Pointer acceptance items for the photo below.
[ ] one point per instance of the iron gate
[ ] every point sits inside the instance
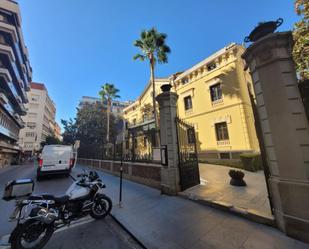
(187, 155)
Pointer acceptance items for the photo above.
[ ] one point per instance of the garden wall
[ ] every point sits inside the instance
(144, 173)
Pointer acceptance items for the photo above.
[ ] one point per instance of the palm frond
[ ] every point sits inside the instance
(109, 92)
(162, 57)
(152, 45)
(139, 56)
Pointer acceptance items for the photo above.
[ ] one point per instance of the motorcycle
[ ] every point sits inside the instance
(38, 216)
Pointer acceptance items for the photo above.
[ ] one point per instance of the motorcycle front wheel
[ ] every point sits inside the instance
(101, 207)
(32, 234)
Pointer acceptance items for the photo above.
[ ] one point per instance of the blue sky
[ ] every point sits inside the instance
(77, 45)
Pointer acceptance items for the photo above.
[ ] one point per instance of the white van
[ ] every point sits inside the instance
(56, 159)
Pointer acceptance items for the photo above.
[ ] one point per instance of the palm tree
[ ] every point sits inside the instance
(108, 93)
(153, 48)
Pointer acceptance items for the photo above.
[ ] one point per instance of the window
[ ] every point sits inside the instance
(153, 139)
(33, 106)
(30, 134)
(32, 115)
(216, 92)
(221, 131)
(135, 143)
(2, 39)
(35, 98)
(31, 125)
(3, 18)
(211, 66)
(28, 145)
(188, 102)
(184, 80)
(191, 136)
(145, 141)
(225, 155)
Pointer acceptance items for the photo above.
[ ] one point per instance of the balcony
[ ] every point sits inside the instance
(9, 28)
(223, 143)
(140, 122)
(19, 120)
(9, 133)
(6, 49)
(6, 104)
(217, 102)
(12, 93)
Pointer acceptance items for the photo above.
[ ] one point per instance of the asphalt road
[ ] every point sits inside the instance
(88, 233)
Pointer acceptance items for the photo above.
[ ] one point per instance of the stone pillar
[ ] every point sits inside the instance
(285, 130)
(170, 173)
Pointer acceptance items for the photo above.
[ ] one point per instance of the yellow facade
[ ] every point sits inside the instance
(140, 115)
(213, 96)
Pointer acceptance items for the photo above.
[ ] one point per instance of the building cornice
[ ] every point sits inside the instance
(137, 101)
(220, 58)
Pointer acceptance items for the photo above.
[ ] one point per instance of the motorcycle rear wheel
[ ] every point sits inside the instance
(29, 232)
(101, 207)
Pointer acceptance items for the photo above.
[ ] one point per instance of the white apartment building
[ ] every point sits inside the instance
(39, 121)
(117, 106)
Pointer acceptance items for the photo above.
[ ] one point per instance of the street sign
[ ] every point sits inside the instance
(164, 159)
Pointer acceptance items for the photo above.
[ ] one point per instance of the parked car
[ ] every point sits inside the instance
(56, 159)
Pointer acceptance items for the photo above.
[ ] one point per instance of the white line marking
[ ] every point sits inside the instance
(76, 223)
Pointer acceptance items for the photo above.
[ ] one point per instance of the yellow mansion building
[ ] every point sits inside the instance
(214, 97)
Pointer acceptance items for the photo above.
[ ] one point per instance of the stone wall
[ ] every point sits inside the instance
(144, 173)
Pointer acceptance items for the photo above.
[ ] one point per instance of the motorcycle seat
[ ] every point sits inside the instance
(61, 199)
(58, 199)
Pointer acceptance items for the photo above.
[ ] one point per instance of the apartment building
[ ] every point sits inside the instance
(15, 75)
(57, 131)
(116, 108)
(39, 121)
(214, 98)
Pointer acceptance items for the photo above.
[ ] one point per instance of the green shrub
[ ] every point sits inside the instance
(230, 163)
(251, 161)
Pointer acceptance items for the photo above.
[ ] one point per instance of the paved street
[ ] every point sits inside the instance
(83, 235)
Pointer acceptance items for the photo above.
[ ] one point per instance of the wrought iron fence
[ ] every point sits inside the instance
(137, 144)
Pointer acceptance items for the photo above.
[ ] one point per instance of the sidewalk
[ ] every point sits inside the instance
(166, 222)
(215, 187)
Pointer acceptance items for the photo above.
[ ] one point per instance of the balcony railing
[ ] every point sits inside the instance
(141, 122)
(223, 142)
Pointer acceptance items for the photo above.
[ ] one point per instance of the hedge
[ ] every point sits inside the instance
(251, 161)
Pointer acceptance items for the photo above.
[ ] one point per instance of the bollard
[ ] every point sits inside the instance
(120, 189)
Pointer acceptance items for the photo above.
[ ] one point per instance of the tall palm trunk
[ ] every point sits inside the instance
(154, 99)
(108, 118)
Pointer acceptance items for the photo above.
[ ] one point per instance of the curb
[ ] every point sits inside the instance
(128, 231)
(248, 214)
